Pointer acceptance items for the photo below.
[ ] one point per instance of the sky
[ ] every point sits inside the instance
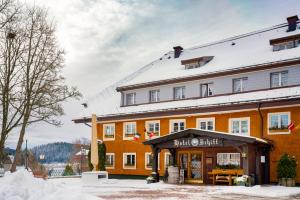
(106, 40)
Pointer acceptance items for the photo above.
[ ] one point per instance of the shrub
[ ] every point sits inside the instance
(68, 171)
(286, 167)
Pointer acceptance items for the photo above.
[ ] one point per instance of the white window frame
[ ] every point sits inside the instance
(124, 130)
(279, 113)
(125, 158)
(243, 82)
(157, 96)
(228, 158)
(240, 125)
(182, 92)
(209, 88)
(146, 160)
(114, 160)
(171, 124)
(165, 159)
(133, 101)
(279, 79)
(147, 128)
(104, 129)
(206, 120)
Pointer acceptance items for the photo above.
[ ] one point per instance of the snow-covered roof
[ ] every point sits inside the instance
(248, 50)
(110, 106)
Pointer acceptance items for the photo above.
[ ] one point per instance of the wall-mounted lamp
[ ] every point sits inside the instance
(244, 155)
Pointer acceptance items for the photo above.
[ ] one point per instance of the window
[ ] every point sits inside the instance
(286, 45)
(278, 123)
(154, 95)
(206, 89)
(240, 125)
(177, 125)
(110, 161)
(228, 159)
(130, 98)
(196, 62)
(149, 160)
(279, 79)
(179, 93)
(152, 127)
(168, 159)
(129, 160)
(129, 130)
(109, 132)
(239, 85)
(206, 123)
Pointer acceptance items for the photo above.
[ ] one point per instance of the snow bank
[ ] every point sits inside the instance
(260, 191)
(21, 185)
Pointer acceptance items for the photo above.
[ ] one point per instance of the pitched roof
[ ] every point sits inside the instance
(232, 53)
(249, 51)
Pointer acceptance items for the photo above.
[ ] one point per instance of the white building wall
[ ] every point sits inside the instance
(222, 85)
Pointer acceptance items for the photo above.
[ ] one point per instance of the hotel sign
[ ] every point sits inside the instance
(198, 142)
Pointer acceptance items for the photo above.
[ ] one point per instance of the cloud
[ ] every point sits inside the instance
(106, 40)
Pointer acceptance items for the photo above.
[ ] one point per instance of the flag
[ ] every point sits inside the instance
(291, 126)
(136, 136)
(151, 134)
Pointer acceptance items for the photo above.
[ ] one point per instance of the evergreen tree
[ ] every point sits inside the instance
(102, 156)
(91, 167)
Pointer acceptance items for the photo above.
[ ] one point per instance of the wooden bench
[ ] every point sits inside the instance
(225, 175)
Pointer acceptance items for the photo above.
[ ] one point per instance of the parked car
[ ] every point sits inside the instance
(2, 171)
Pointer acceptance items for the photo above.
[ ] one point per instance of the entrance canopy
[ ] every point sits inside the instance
(254, 151)
(203, 138)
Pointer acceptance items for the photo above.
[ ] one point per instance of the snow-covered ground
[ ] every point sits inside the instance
(22, 186)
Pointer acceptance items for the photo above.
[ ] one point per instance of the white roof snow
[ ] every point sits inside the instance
(249, 49)
(109, 106)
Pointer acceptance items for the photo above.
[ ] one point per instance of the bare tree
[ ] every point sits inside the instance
(8, 11)
(44, 88)
(11, 48)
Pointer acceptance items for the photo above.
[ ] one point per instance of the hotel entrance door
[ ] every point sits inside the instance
(191, 163)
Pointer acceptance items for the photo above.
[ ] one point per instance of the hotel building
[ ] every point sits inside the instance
(228, 102)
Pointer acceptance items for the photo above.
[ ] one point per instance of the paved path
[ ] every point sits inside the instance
(185, 194)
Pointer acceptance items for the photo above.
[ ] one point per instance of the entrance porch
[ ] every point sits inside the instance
(197, 152)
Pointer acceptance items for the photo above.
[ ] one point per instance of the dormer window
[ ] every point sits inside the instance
(285, 42)
(196, 62)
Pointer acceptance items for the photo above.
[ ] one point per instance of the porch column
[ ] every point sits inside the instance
(245, 159)
(155, 173)
(173, 155)
(94, 144)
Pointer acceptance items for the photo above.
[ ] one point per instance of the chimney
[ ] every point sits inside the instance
(292, 22)
(177, 51)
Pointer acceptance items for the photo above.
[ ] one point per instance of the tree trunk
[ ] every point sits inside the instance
(19, 145)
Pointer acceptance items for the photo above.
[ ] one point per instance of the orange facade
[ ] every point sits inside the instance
(283, 143)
